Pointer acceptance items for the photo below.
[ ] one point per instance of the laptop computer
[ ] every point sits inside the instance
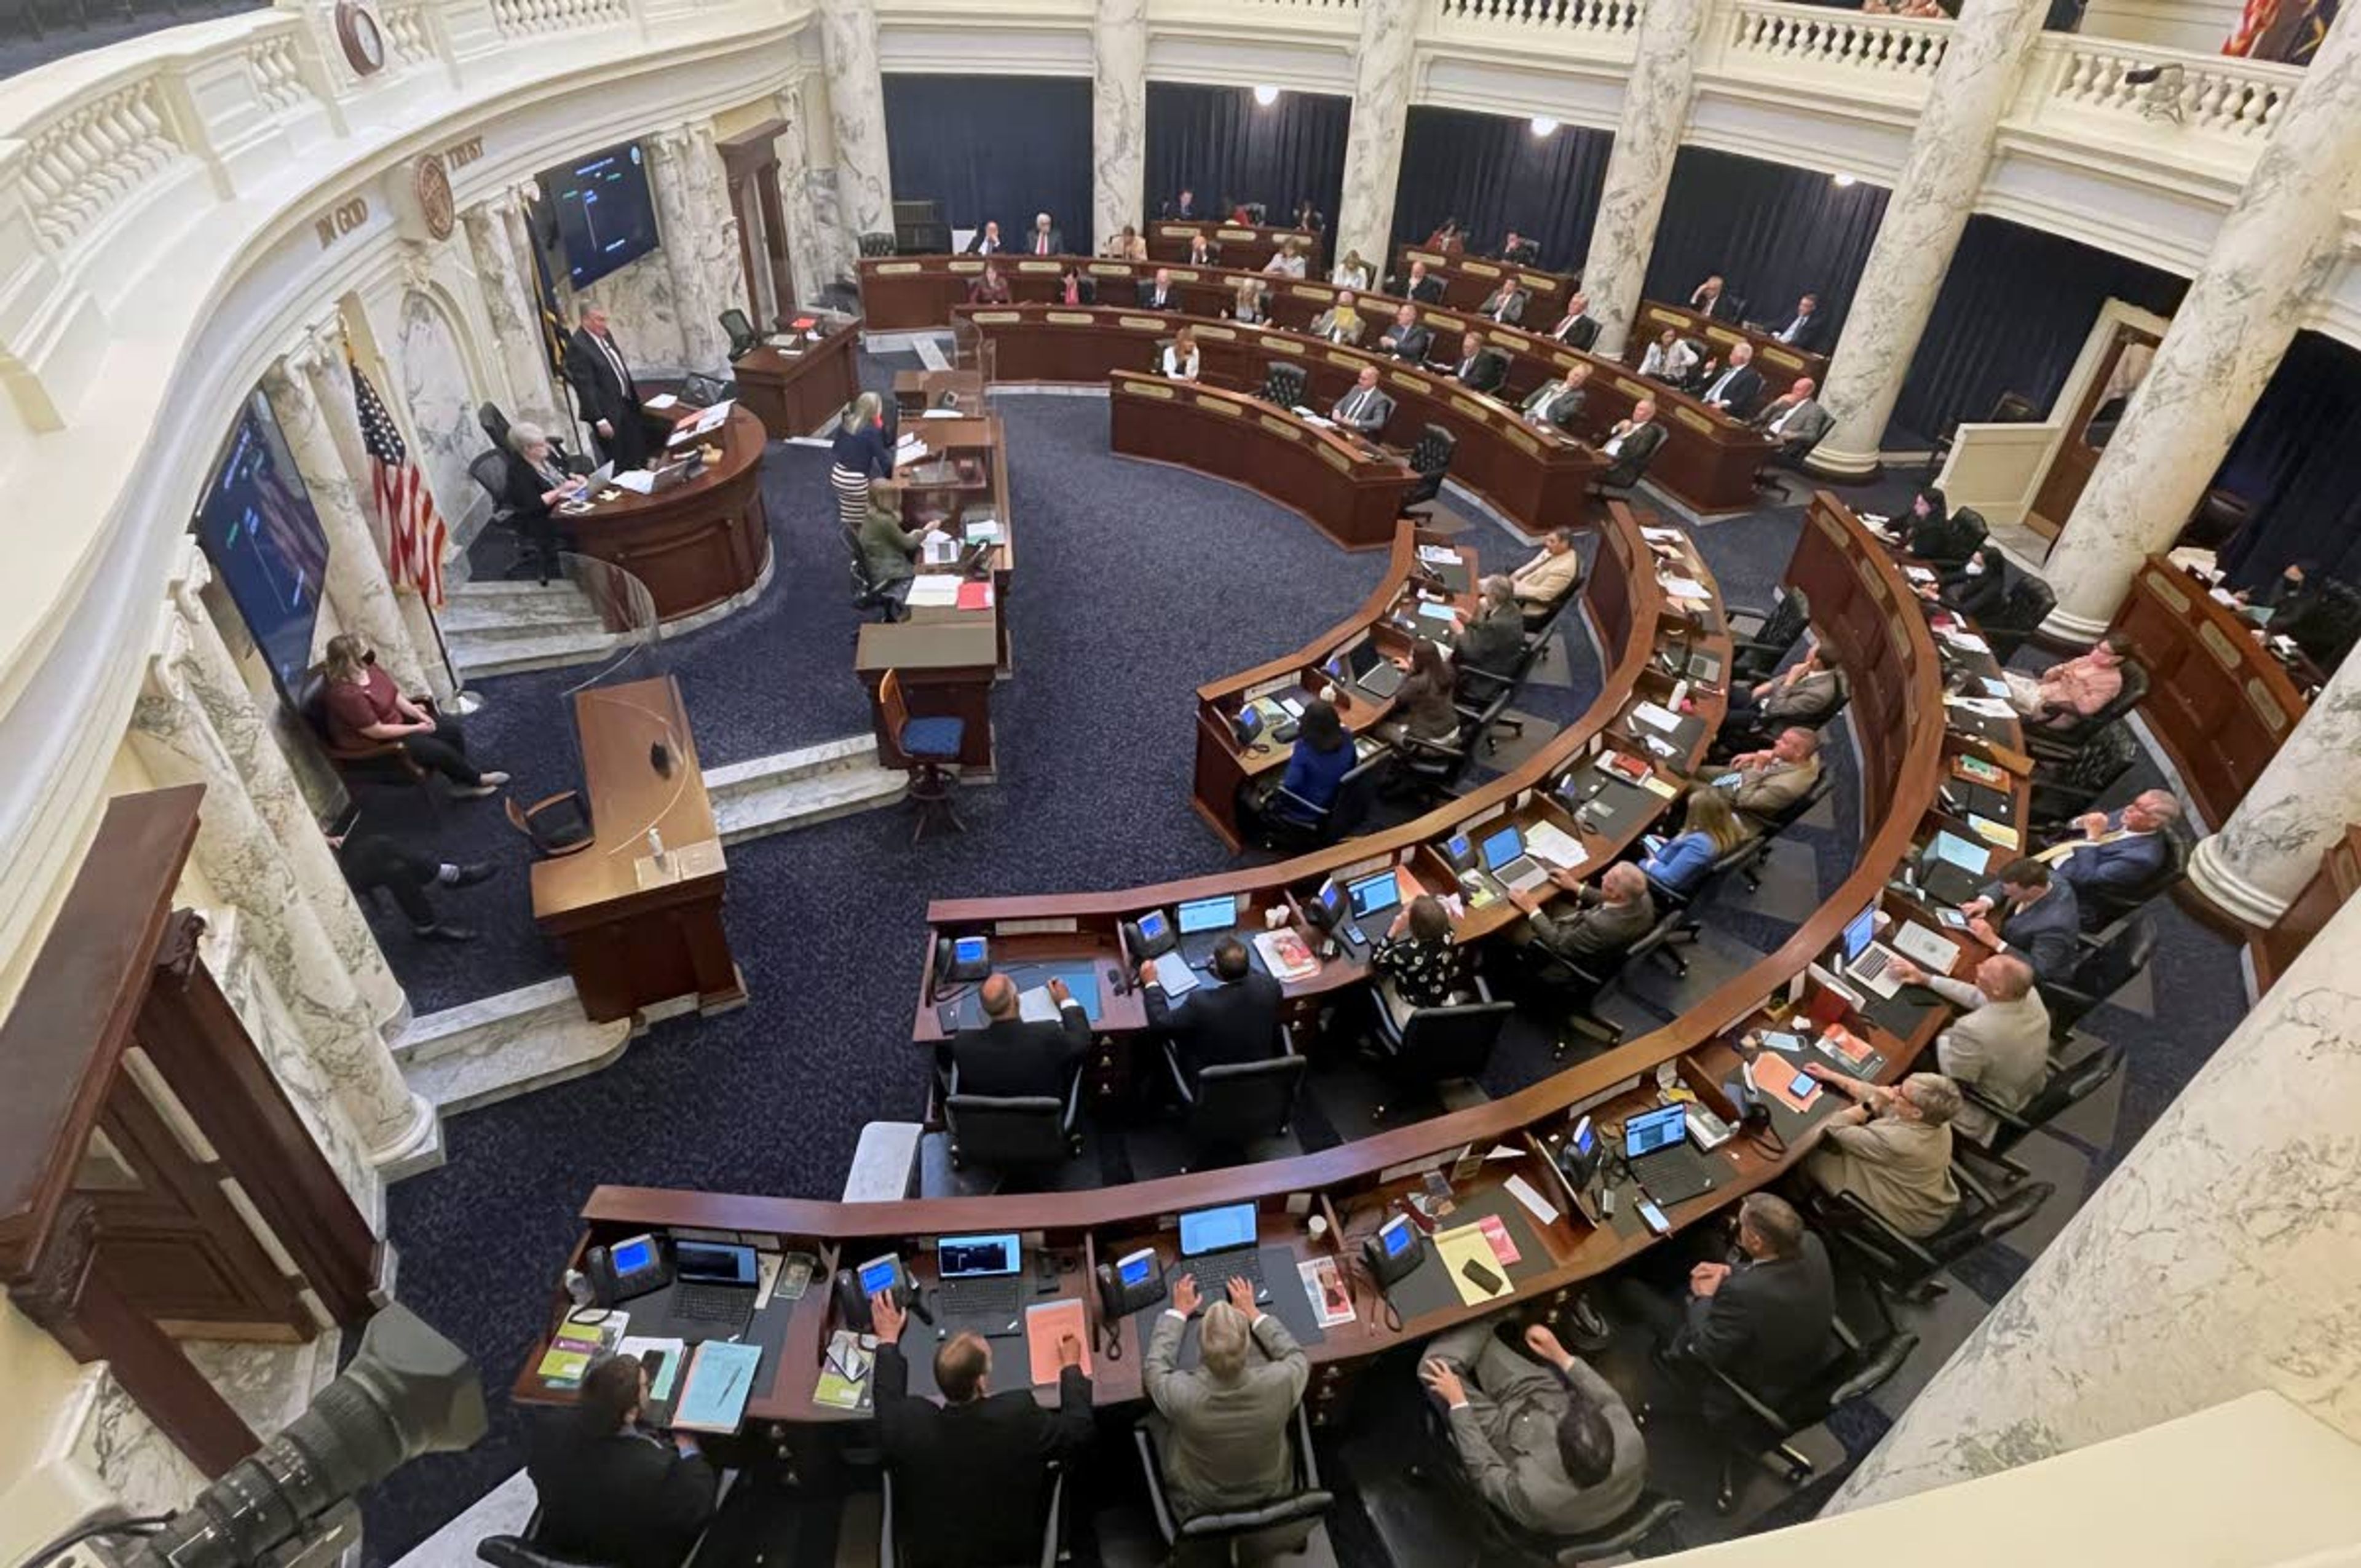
(1203, 922)
(1372, 671)
(1656, 1148)
(1216, 1247)
(714, 1285)
(1370, 895)
(1868, 962)
(1951, 869)
(982, 1285)
(1505, 858)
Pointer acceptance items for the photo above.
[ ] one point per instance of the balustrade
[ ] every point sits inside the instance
(93, 155)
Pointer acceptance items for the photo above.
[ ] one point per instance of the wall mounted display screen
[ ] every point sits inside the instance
(258, 528)
(604, 217)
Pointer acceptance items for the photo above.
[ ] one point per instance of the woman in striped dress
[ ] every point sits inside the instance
(860, 456)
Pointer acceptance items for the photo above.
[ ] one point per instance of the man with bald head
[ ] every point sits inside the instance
(2000, 1041)
(1630, 443)
(2114, 851)
(1013, 1059)
(1767, 783)
(1795, 420)
(1406, 339)
(1604, 921)
(1366, 408)
(1734, 391)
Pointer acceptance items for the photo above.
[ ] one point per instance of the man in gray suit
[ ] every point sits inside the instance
(1548, 1441)
(1225, 1439)
(1364, 409)
(1797, 422)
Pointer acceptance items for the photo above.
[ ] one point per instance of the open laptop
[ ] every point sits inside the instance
(982, 1285)
(1951, 869)
(714, 1285)
(1203, 922)
(1505, 858)
(1372, 671)
(1656, 1148)
(1868, 962)
(1216, 1247)
(1371, 895)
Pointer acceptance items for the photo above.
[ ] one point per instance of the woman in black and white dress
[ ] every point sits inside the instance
(861, 454)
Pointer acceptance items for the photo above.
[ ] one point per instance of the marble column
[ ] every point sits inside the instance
(1949, 151)
(1118, 118)
(2270, 847)
(2271, 256)
(856, 107)
(2222, 1256)
(700, 235)
(1640, 166)
(357, 588)
(249, 866)
(512, 306)
(1373, 139)
(819, 251)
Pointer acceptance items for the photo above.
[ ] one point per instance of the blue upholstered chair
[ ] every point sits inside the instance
(927, 743)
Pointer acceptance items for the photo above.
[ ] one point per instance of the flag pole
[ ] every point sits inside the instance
(464, 701)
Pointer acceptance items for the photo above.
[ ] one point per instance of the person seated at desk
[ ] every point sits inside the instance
(1287, 261)
(1803, 328)
(2073, 690)
(1577, 328)
(1495, 640)
(1046, 238)
(1419, 285)
(989, 287)
(1248, 299)
(1891, 1148)
(987, 241)
(1979, 589)
(1607, 919)
(1406, 340)
(537, 483)
(1160, 293)
(609, 1491)
(1669, 359)
(1552, 572)
(1203, 252)
(1734, 391)
(1365, 408)
(1074, 288)
(2117, 850)
(1711, 299)
(1767, 783)
(1217, 1025)
(971, 1474)
(372, 860)
(1999, 1041)
(1797, 422)
(1559, 403)
(1324, 754)
(1224, 1425)
(889, 548)
(1340, 322)
(2031, 913)
(1805, 694)
(1763, 1317)
(1181, 358)
(1709, 829)
(1630, 443)
(1548, 1442)
(1011, 1057)
(1310, 218)
(364, 706)
(1418, 964)
(1128, 245)
(1352, 272)
(1183, 208)
(1450, 237)
(1425, 702)
(1928, 531)
(1518, 251)
(1506, 305)
(1478, 369)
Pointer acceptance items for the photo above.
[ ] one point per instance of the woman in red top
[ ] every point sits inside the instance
(365, 704)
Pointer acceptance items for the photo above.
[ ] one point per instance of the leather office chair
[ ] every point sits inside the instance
(875, 244)
(1582, 986)
(928, 743)
(1905, 1266)
(1740, 862)
(1438, 1043)
(1013, 1132)
(1502, 1542)
(1624, 475)
(1283, 384)
(1241, 1534)
(554, 826)
(2062, 791)
(2101, 908)
(1290, 822)
(2059, 744)
(1757, 1430)
(2105, 970)
(495, 423)
(1053, 1525)
(1822, 787)
(2327, 628)
(1428, 768)
(367, 761)
(2068, 1087)
(1231, 1105)
(1757, 655)
(868, 594)
(1430, 459)
(2028, 603)
(490, 472)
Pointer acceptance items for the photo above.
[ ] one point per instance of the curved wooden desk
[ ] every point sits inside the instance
(1469, 281)
(1778, 364)
(1348, 489)
(1894, 672)
(698, 544)
(1246, 246)
(795, 392)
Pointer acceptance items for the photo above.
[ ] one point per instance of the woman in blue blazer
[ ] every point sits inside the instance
(1709, 829)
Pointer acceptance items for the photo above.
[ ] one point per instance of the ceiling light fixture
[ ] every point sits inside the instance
(1265, 95)
(1841, 180)
(1543, 125)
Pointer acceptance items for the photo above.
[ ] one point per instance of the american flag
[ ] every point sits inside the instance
(415, 537)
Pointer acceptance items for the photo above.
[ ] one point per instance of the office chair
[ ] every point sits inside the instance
(490, 472)
(1289, 823)
(2059, 744)
(743, 338)
(875, 244)
(2026, 606)
(1243, 1534)
(1740, 862)
(365, 761)
(523, 1549)
(1235, 1104)
(1801, 807)
(2063, 791)
(2101, 907)
(927, 743)
(1964, 535)
(2327, 628)
(1053, 1524)
(1427, 768)
(495, 423)
(1905, 1266)
(1013, 1132)
(868, 593)
(1283, 384)
(2068, 1087)
(1777, 631)
(2105, 970)
(1438, 1043)
(1503, 1541)
(554, 826)
(1591, 983)
(1430, 459)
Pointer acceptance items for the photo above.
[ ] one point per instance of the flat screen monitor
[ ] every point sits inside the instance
(256, 525)
(1858, 932)
(977, 1257)
(601, 209)
(1217, 1230)
(1199, 915)
(1503, 846)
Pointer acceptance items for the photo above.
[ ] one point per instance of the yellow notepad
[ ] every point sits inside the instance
(1464, 1243)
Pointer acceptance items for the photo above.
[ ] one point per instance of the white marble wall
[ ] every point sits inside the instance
(2272, 843)
(124, 1450)
(504, 273)
(2222, 1256)
(1930, 204)
(701, 241)
(1373, 139)
(443, 433)
(1640, 167)
(856, 105)
(1118, 118)
(2273, 253)
(645, 311)
(820, 250)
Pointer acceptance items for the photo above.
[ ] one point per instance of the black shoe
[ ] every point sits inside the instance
(473, 872)
(445, 933)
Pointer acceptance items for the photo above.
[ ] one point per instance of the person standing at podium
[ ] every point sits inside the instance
(609, 397)
(861, 454)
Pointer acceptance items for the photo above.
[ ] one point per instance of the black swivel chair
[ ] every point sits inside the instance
(1232, 1105)
(1290, 823)
(2059, 744)
(2101, 907)
(2103, 971)
(2068, 1087)
(2327, 628)
(1239, 1534)
(1757, 655)
(743, 338)
(875, 244)
(1580, 987)
(1502, 1542)
(1740, 862)
(495, 423)
(1427, 768)
(869, 595)
(490, 472)
(1283, 384)
(1437, 1044)
(1905, 1266)
(1757, 1429)
(523, 1551)
(1430, 459)
(889, 1546)
(2028, 604)
(2062, 791)
(1013, 1132)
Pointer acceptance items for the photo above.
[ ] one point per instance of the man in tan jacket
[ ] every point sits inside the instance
(1225, 1439)
(1549, 576)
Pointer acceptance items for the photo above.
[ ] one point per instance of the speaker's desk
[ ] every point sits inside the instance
(798, 391)
(697, 544)
(639, 932)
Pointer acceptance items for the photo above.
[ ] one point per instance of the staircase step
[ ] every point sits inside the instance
(800, 788)
(549, 1004)
(561, 606)
(479, 658)
(505, 1046)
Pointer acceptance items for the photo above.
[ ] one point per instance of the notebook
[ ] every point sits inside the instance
(1047, 1323)
(720, 1381)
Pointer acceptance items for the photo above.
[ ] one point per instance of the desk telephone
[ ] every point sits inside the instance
(1129, 1284)
(855, 1285)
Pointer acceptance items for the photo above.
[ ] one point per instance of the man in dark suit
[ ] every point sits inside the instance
(1630, 443)
(971, 1474)
(1406, 340)
(1420, 285)
(2031, 913)
(1203, 252)
(1478, 368)
(1184, 206)
(609, 1491)
(1160, 294)
(1235, 1021)
(1713, 300)
(1577, 328)
(1803, 329)
(2116, 850)
(604, 387)
(1365, 408)
(1011, 1057)
(1764, 1318)
(1046, 238)
(1518, 251)
(987, 241)
(1733, 392)
(1559, 403)
(1604, 919)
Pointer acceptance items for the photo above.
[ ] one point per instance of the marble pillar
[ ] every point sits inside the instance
(357, 588)
(856, 105)
(511, 305)
(2271, 256)
(2270, 847)
(1118, 118)
(246, 863)
(819, 251)
(1640, 167)
(2223, 1256)
(1949, 151)
(1373, 140)
(701, 241)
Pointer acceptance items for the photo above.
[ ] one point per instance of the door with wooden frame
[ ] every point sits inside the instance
(2128, 355)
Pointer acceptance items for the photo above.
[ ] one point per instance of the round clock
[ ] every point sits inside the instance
(357, 30)
(432, 187)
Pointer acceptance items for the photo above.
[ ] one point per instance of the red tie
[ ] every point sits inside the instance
(1041, 246)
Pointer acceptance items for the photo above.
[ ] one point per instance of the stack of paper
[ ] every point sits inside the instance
(844, 1373)
(1547, 841)
(935, 590)
(1284, 954)
(1439, 555)
(1684, 588)
(1657, 716)
(985, 531)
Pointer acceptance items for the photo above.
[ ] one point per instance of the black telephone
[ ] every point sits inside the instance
(852, 1298)
(1149, 936)
(1753, 1111)
(1128, 1285)
(630, 1267)
(962, 959)
(1394, 1251)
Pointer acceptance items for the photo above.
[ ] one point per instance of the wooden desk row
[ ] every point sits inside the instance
(801, 389)
(1241, 245)
(1778, 364)
(695, 545)
(1469, 281)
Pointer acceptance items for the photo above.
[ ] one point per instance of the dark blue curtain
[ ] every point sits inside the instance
(1774, 233)
(1219, 142)
(2013, 313)
(1493, 174)
(2298, 461)
(1002, 148)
